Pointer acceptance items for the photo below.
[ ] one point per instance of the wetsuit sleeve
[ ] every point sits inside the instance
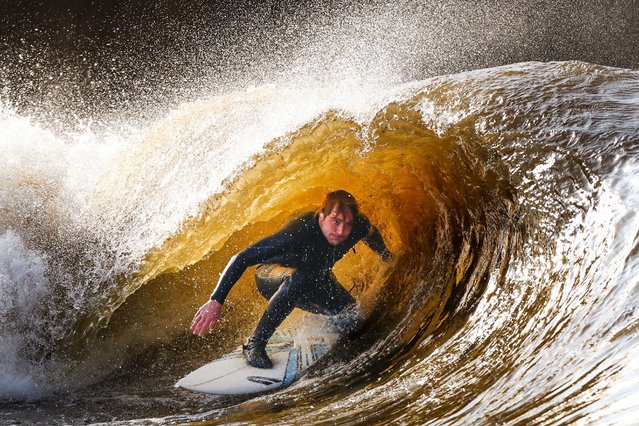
(254, 254)
(376, 243)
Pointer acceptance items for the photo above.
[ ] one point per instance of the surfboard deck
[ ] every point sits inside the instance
(292, 354)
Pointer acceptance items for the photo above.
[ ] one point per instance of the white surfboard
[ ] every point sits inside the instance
(231, 374)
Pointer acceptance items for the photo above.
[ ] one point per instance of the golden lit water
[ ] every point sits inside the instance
(507, 195)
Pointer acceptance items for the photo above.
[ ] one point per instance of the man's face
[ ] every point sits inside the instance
(336, 227)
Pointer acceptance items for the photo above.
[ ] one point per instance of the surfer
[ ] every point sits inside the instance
(296, 271)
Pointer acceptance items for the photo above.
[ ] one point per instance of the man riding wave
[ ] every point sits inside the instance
(296, 271)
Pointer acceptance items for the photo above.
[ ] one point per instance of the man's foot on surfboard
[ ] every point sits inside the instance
(256, 355)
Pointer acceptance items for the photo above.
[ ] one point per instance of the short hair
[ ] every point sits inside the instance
(344, 202)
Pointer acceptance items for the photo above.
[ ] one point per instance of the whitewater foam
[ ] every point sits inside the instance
(24, 288)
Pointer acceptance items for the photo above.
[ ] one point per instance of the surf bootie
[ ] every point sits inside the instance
(256, 355)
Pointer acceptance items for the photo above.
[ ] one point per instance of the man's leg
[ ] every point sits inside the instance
(282, 287)
(288, 288)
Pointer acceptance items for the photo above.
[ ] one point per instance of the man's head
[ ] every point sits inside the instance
(336, 216)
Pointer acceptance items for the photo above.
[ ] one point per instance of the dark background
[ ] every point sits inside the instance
(115, 58)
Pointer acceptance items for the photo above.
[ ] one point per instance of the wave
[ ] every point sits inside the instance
(507, 195)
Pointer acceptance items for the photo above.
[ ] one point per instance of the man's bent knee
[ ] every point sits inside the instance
(269, 279)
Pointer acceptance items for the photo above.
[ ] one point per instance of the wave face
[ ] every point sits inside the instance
(508, 195)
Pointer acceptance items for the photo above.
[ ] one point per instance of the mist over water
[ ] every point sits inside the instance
(123, 61)
(142, 147)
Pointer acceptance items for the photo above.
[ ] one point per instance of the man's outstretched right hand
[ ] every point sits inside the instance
(206, 317)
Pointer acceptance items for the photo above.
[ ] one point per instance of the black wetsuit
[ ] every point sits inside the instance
(296, 270)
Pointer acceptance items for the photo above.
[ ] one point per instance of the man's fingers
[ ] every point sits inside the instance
(205, 318)
(198, 330)
(194, 327)
(196, 319)
(199, 325)
(204, 326)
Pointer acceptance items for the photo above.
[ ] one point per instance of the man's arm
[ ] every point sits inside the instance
(209, 313)
(376, 243)
(257, 253)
